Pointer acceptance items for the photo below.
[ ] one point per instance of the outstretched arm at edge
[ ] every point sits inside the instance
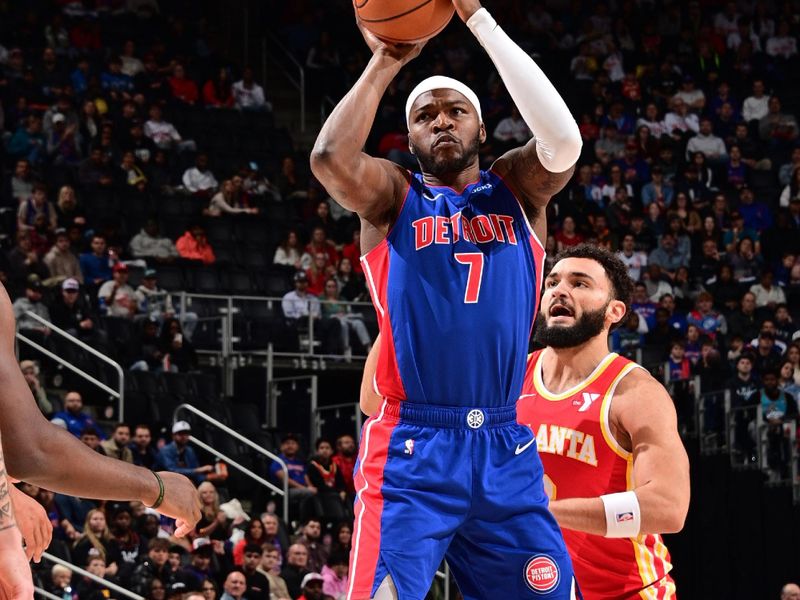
(41, 453)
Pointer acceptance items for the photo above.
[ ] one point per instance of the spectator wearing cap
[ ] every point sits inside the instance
(179, 457)
(36, 205)
(146, 352)
(96, 265)
(30, 371)
(156, 303)
(295, 569)
(299, 487)
(312, 587)
(117, 296)
(132, 547)
(149, 244)
(299, 303)
(32, 302)
(257, 583)
(72, 312)
(63, 143)
(201, 565)
(61, 260)
(176, 590)
(635, 170)
(199, 180)
(193, 245)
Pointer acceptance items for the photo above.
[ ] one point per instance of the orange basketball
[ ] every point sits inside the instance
(404, 21)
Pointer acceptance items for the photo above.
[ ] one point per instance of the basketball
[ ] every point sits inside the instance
(404, 21)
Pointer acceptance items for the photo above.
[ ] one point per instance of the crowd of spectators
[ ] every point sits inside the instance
(690, 172)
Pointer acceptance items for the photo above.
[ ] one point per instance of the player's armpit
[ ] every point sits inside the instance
(530, 181)
(369, 400)
(644, 411)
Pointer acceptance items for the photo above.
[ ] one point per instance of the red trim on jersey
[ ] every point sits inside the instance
(387, 373)
(368, 480)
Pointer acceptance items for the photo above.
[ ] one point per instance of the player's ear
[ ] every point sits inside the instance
(616, 311)
(482, 133)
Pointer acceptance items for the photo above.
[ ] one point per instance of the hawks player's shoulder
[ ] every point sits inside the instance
(640, 395)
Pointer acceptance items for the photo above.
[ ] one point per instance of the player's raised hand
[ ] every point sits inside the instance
(181, 502)
(402, 53)
(466, 8)
(16, 582)
(33, 523)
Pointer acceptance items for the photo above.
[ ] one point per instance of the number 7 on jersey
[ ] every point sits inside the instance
(474, 260)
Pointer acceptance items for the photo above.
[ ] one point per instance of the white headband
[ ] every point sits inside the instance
(438, 82)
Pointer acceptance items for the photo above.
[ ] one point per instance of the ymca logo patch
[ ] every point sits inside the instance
(542, 574)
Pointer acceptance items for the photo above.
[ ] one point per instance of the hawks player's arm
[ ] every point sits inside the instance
(644, 422)
(369, 400)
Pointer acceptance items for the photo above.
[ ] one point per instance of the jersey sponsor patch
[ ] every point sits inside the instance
(542, 574)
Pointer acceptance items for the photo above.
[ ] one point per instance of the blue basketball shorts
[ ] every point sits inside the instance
(457, 483)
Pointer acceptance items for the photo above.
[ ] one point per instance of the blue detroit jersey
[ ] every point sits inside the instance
(455, 284)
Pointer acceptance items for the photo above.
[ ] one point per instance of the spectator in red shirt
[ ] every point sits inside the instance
(320, 243)
(568, 237)
(317, 273)
(217, 92)
(183, 90)
(193, 245)
(353, 251)
(345, 459)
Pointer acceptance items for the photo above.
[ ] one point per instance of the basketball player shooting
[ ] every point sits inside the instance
(454, 264)
(615, 469)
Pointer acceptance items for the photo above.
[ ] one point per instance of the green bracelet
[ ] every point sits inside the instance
(160, 498)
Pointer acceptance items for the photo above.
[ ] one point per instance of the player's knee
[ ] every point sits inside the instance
(386, 590)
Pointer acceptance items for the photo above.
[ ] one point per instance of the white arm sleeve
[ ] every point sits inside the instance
(558, 140)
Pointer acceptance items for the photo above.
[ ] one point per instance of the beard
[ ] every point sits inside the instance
(456, 161)
(590, 324)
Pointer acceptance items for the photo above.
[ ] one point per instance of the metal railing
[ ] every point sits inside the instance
(444, 575)
(76, 569)
(298, 81)
(238, 436)
(118, 394)
(45, 594)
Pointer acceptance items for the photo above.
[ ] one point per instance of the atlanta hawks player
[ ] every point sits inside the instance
(615, 468)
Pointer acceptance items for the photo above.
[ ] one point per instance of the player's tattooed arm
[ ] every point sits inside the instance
(6, 510)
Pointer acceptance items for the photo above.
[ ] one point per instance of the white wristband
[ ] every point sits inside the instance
(623, 517)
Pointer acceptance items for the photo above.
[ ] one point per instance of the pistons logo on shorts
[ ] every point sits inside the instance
(542, 574)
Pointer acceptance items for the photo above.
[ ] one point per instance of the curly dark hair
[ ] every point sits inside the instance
(616, 271)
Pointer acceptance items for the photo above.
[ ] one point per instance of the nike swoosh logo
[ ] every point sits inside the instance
(521, 449)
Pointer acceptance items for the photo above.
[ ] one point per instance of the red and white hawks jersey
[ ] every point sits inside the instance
(582, 459)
